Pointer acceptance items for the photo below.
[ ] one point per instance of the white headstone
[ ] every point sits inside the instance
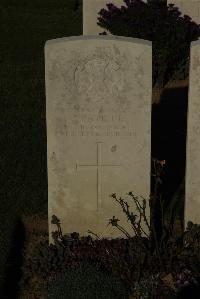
(91, 9)
(192, 204)
(98, 97)
(188, 7)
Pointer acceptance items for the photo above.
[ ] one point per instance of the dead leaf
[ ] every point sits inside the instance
(169, 281)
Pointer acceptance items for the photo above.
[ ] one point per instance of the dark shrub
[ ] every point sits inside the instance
(170, 33)
(86, 282)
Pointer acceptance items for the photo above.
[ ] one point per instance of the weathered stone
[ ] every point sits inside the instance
(188, 7)
(192, 204)
(98, 92)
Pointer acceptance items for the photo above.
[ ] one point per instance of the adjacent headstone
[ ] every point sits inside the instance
(90, 15)
(98, 108)
(188, 7)
(91, 9)
(192, 204)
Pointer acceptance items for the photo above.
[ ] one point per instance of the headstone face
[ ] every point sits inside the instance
(91, 9)
(188, 7)
(98, 109)
(192, 204)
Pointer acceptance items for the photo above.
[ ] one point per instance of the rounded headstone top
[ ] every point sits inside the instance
(99, 37)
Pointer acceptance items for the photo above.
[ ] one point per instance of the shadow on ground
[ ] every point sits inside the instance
(14, 263)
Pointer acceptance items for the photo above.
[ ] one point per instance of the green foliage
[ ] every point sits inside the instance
(86, 282)
(191, 237)
(186, 281)
(74, 264)
(131, 260)
(146, 287)
(47, 259)
(191, 246)
(169, 32)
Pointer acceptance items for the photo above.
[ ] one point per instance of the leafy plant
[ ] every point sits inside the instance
(137, 221)
(187, 284)
(146, 287)
(130, 260)
(46, 259)
(86, 281)
(191, 237)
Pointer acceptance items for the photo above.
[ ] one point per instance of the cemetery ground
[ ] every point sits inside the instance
(40, 263)
(24, 179)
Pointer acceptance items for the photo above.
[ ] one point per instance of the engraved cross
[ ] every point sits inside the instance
(98, 167)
